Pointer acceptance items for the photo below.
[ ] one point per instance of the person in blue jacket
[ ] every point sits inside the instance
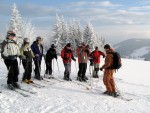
(37, 49)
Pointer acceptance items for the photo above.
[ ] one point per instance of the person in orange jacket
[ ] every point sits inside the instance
(95, 56)
(67, 56)
(83, 53)
(108, 78)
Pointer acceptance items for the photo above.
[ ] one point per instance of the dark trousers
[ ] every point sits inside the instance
(37, 69)
(67, 70)
(48, 67)
(27, 65)
(13, 70)
(82, 69)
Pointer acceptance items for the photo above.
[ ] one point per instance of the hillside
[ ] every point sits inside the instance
(134, 48)
(69, 97)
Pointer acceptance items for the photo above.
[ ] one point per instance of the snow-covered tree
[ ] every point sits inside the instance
(57, 32)
(28, 31)
(64, 37)
(89, 35)
(79, 33)
(72, 34)
(100, 42)
(16, 24)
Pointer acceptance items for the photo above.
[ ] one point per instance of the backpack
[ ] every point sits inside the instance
(4, 43)
(116, 61)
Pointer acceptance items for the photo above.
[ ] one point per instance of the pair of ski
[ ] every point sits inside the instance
(36, 85)
(120, 97)
(21, 91)
(88, 87)
(49, 82)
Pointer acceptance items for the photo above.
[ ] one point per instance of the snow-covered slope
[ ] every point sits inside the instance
(134, 48)
(133, 81)
(140, 52)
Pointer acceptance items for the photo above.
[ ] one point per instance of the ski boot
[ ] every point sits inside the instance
(10, 86)
(84, 79)
(25, 81)
(30, 81)
(16, 85)
(79, 78)
(115, 94)
(106, 93)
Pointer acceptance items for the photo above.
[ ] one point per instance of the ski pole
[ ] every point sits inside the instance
(58, 68)
(19, 64)
(90, 69)
(44, 65)
(53, 67)
(117, 88)
(76, 67)
(92, 76)
(91, 84)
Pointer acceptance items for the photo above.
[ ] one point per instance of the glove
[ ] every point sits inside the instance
(22, 57)
(36, 55)
(101, 69)
(12, 57)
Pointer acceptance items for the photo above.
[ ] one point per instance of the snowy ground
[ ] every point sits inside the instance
(133, 81)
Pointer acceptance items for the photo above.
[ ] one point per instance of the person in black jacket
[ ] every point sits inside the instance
(50, 55)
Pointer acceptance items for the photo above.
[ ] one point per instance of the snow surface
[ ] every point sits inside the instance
(133, 81)
(140, 52)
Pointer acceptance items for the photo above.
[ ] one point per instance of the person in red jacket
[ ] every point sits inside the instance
(95, 56)
(67, 56)
(83, 53)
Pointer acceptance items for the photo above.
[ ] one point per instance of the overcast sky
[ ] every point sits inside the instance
(115, 20)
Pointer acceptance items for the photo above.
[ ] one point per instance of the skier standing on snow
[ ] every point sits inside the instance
(95, 56)
(83, 53)
(26, 55)
(108, 78)
(37, 49)
(50, 55)
(10, 52)
(67, 56)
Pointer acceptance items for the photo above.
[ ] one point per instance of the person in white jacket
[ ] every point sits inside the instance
(10, 51)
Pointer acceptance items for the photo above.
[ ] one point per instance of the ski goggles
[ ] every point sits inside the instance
(12, 34)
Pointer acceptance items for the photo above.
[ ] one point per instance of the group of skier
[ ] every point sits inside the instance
(10, 51)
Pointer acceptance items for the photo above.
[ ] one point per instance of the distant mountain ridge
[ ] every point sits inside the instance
(134, 48)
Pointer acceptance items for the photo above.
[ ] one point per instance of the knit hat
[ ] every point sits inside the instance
(68, 45)
(107, 46)
(26, 40)
(38, 38)
(96, 47)
(53, 46)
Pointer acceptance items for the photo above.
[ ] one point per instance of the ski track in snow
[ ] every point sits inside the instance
(69, 97)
